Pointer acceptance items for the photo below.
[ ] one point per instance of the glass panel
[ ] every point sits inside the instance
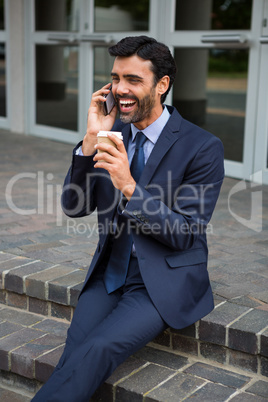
(2, 80)
(121, 15)
(210, 90)
(103, 64)
(198, 15)
(57, 86)
(2, 15)
(60, 15)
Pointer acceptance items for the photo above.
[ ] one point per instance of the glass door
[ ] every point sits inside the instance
(67, 46)
(212, 47)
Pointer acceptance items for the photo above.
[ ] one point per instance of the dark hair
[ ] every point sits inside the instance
(147, 48)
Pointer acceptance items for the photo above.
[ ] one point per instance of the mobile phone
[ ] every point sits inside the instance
(110, 102)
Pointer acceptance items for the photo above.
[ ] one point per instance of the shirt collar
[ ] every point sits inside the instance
(153, 131)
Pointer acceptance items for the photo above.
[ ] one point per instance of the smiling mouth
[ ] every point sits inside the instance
(126, 104)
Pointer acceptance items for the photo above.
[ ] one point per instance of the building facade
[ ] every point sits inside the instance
(53, 55)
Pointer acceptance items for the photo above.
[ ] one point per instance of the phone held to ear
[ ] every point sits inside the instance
(110, 102)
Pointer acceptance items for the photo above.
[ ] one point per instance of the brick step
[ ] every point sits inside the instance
(235, 333)
(30, 346)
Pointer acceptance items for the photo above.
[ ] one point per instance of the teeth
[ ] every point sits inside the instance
(126, 102)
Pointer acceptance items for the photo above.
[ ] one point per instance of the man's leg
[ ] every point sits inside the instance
(93, 306)
(131, 325)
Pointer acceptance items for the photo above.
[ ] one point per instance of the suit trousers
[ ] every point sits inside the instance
(105, 331)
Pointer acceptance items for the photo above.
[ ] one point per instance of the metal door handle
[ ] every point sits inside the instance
(101, 38)
(63, 37)
(239, 38)
(264, 39)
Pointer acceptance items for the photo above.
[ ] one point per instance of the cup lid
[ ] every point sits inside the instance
(104, 134)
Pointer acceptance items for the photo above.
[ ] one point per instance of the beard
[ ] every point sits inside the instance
(143, 108)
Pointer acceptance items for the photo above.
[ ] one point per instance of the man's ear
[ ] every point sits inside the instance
(163, 84)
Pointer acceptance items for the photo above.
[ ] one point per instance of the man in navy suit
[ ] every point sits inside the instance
(160, 217)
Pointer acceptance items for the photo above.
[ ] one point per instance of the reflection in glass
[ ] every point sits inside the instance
(213, 14)
(2, 15)
(57, 86)
(2, 80)
(103, 64)
(60, 15)
(210, 90)
(121, 15)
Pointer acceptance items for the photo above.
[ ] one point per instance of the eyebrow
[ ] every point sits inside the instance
(128, 76)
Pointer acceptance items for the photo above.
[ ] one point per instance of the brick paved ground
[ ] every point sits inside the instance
(43, 261)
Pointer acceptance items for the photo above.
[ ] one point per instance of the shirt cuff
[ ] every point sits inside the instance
(79, 151)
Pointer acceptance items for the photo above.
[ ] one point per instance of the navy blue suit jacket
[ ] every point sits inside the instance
(167, 214)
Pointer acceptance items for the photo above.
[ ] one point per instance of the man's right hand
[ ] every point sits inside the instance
(96, 120)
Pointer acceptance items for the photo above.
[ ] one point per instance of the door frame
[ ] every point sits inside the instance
(260, 171)
(4, 38)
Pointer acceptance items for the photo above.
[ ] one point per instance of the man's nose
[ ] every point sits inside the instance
(121, 88)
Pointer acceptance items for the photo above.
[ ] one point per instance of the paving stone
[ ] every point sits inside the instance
(38, 306)
(246, 301)
(105, 392)
(45, 364)
(163, 358)
(163, 339)
(243, 360)
(213, 352)
(264, 366)
(10, 264)
(22, 359)
(3, 295)
(175, 389)
(185, 344)
(57, 289)
(36, 284)
(244, 397)
(7, 395)
(19, 317)
(51, 326)
(59, 311)
(5, 256)
(259, 388)
(7, 328)
(242, 334)
(139, 383)
(264, 343)
(16, 300)
(215, 393)
(41, 246)
(212, 327)
(218, 375)
(13, 341)
(15, 278)
(188, 331)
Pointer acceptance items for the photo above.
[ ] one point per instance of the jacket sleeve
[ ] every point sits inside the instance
(179, 224)
(77, 198)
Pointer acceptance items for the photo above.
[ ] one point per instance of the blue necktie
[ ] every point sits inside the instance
(116, 271)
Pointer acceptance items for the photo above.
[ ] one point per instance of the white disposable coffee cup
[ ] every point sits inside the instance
(103, 137)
